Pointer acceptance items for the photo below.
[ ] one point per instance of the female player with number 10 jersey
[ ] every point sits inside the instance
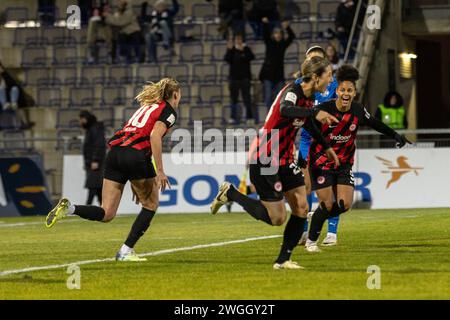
(130, 159)
(335, 186)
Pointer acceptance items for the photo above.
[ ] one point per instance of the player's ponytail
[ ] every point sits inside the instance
(157, 92)
(316, 65)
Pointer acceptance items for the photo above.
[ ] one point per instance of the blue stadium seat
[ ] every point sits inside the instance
(258, 48)
(191, 52)
(179, 72)
(80, 35)
(302, 29)
(147, 72)
(290, 68)
(114, 95)
(54, 35)
(37, 76)
(218, 51)
(16, 14)
(81, 97)
(201, 113)
(211, 32)
(49, 97)
(224, 74)
(305, 10)
(68, 118)
(65, 55)
(65, 76)
(292, 52)
(105, 114)
(119, 75)
(210, 93)
(188, 32)
(204, 73)
(34, 57)
(326, 9)
(204, 11)
(22, 34)
(93, 75)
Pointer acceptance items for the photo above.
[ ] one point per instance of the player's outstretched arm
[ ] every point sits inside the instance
(381, 127)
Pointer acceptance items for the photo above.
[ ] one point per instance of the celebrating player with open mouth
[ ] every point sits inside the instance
(334, 187)
(281, 178)
(130, 158)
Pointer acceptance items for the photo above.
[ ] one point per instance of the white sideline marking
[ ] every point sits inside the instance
(155, 253)
(21, 224)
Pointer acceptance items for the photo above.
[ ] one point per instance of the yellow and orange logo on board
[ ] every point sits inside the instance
(397, 171)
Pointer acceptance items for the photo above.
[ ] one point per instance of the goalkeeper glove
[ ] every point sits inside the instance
(401, 141)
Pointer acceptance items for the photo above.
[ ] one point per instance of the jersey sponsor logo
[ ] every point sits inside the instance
(402, 168)
(340, 138)
(292, 97)
(353, 127)
(320, 179)
(278, 186)
(171, 119)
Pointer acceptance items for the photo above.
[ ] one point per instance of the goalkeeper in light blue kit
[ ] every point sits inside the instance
(305, 142)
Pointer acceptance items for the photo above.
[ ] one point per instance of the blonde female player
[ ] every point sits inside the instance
(130, 159)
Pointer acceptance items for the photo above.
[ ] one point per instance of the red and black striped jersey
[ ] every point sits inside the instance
(136, 132)
(277, 137)
(342, 136)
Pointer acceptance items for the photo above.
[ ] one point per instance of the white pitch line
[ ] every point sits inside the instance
(155, 253)
(21, 224)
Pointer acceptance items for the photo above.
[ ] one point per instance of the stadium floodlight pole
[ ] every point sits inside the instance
(352, 32)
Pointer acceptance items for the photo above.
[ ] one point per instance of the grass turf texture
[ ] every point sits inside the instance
(410, 246)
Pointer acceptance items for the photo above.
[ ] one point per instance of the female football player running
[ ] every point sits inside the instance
(305, 143)
(273, 170)
(334, 187)
(130, 159)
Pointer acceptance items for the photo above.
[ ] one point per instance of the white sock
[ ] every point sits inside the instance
(71, 208)
(125, 249)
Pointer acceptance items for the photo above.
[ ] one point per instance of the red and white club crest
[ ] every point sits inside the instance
(321, 180)
(278, 186)
(353, 127)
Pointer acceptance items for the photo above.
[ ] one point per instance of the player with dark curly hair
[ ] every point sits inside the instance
(335, 186)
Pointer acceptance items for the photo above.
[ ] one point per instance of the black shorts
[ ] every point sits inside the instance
(270, 187)
(321, 179)
(125, 163)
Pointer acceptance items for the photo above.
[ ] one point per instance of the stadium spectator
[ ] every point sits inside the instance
(231, 14)
(13, 100)
(333, 57)
(94, 152)
(392, 112)
(129, 36)
(160, 23)
(263, 9)
(344, 20)
(239, 56)
(98, 31)
(272, 71)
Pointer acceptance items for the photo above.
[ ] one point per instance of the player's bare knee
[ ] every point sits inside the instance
(150, 205)
(278, 220)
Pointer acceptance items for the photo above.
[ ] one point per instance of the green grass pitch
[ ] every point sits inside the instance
(411, 247)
